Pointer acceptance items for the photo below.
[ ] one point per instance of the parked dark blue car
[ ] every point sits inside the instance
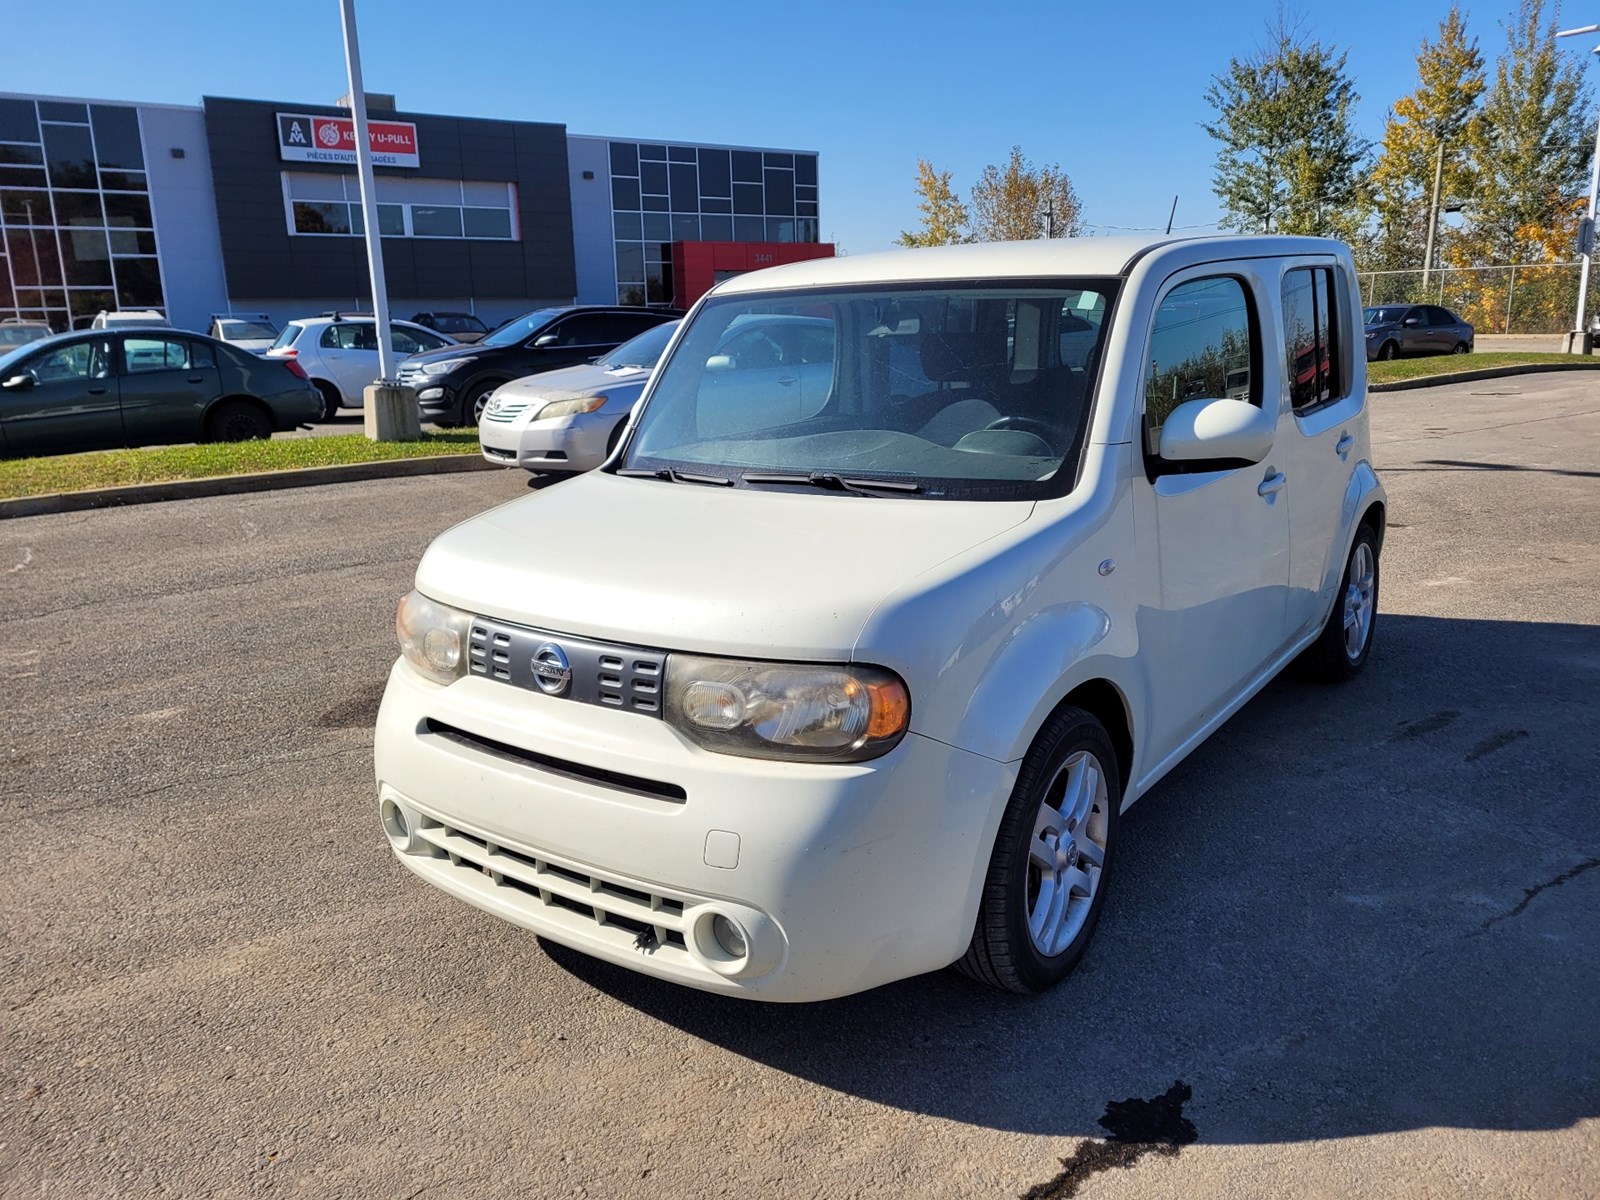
(1396, 329)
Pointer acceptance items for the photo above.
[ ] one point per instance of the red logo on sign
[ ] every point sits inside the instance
(329, 134)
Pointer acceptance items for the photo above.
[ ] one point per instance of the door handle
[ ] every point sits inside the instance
(194, 378)
(1342, 446)
(97, 391)
(1272, 484)
(790, 381)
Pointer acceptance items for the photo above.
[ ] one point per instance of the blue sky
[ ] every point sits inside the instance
(1113, 92)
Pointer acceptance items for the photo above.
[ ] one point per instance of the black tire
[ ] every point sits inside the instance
(1004, 953)
(475, 399)
(1389, 351)
(1461, 348)
(332, 401)
(237, 421)
(1329, 658)
(616, 435)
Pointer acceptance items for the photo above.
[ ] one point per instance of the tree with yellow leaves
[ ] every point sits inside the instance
(944, 217)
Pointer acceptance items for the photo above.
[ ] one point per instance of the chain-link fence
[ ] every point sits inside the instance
(1525, 298)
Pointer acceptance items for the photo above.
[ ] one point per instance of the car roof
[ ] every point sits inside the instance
(1045, 258)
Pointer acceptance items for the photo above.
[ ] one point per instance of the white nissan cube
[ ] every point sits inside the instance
(849, 676)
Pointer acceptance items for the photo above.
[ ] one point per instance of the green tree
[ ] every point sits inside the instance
(1530, 151)
(1018, 202)
(1442, 111)
(944, 217)
(1289, 155)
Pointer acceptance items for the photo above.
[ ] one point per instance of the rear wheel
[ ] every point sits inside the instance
(1389, 351)
(332, 402)
(1051, 861)
(237, 421)
(1341, 650)
(1461, 348)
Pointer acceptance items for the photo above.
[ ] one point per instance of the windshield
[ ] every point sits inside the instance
(1389, 314)
(21, 335)
(954, 392)
(237, 331)
(642, 351)
(458, 323)
(518, 328)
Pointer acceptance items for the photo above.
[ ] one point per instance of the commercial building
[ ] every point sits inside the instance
(252, 206)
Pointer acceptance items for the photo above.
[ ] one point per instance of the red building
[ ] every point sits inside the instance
(698, 266)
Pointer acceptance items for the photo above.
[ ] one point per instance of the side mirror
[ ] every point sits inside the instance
(545, 341)
(20, 383)
(1223, 430)
(719, 362)
(1412, 321)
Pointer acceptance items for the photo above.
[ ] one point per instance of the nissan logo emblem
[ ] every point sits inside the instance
(551, 670)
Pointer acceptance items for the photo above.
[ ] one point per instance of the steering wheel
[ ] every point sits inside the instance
(1042, 430)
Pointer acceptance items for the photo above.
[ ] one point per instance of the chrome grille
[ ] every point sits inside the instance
(505, 410)
(622, 677)
(601, 905)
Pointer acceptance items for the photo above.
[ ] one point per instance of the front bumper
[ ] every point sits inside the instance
(575, 443)
(840, 877)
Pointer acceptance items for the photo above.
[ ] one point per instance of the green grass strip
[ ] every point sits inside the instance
(164, 464)
(1454, 364)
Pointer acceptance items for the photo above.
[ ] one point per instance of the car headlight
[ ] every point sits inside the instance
(433, 637)
(570, 408)
(793, 711)
(445, 365)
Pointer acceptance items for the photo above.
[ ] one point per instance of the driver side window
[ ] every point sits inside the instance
(1203, 344)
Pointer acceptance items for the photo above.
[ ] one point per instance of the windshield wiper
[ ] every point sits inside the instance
(671, 476)
(835, 482)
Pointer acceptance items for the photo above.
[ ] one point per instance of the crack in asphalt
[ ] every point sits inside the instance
(1137, 1128)
(1529, 894)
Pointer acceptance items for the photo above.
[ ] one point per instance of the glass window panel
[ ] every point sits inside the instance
(716, 173)
(631, 294)
(143, 354)
(805, 230)
(624, 158)
(653, 178)
(653, 203)
(23, 207)
(56, 110)
(123, 181)
(681, 154)
(85, 304)
(803, 191)
(22, 176)
(780, 193)
(128, 210)
(749, 199)
(22, 155)
(658, 285)
(749, 229)
(624, 193)
(685, 180)
(805, 208)
(716, 229)
(805, 169)
(18, 121)
(779, 160)
(655, 252)
(116, 136)
(33, 257)
(391, 220)
(780, 229)
(657, 227)
(428, 220)
(649, 151)
(69, 153)
(311, 216)
(138, 283)
(685, 228)
(715, 204)
(1201, 345)
(746, 166)
(486, 222)
(85, 257)
(80, 360)
(128, 241)
(629, 226)
(79, 208)
(630, 262)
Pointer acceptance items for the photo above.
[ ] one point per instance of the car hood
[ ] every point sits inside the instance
(454, 350)
(564, 382)
(682, 566)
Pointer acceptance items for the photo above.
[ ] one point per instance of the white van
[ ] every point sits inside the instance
(795, 697)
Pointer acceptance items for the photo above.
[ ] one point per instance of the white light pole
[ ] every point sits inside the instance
(390, 413)
(1578, 341)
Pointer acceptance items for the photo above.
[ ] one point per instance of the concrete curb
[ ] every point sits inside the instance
(237, 485)
(1406, 385)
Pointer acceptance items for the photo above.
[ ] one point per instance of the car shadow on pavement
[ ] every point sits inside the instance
(1354, 910)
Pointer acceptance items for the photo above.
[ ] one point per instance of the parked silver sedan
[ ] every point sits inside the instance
(569, 419)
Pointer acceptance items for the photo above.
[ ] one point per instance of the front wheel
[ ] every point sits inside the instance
(1342, 649)
(1052, 858)
(1389, 352)
(1461, 348)
(476, 400)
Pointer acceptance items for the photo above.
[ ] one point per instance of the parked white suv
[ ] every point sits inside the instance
(788, 700)
(339, 353)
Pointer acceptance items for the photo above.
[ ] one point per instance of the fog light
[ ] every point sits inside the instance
(394, 822)
(729, 936)
(430, 393)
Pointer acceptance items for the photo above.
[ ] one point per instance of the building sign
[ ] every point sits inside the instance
(303, 138)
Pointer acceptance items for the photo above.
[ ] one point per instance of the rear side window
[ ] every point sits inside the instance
(1203, 345)
(349, 335)
(1310, 334)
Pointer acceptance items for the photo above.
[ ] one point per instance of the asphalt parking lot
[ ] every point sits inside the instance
(1353, 939)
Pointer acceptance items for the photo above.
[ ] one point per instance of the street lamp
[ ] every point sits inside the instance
(1578, 341)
